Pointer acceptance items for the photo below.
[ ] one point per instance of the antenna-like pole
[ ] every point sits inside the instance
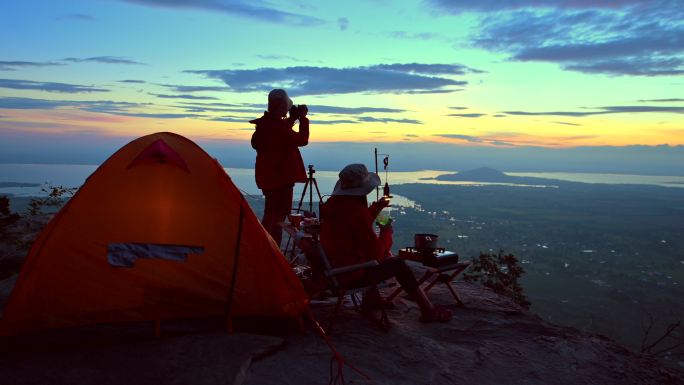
(377, 188)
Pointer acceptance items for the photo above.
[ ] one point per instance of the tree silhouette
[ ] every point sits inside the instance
(499, 272)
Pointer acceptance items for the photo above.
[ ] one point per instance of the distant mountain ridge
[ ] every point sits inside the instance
(483, 174)
(490, 175)
(18, 184)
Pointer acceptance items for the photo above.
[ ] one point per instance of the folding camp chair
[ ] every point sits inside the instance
(310, 244)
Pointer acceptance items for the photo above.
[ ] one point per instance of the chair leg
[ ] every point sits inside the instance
(453, 292)
(382, 321)
(335, 313)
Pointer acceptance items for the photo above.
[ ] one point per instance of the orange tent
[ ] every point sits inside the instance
(158, 231)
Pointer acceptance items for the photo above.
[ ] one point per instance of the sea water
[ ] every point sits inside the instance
(72, 175)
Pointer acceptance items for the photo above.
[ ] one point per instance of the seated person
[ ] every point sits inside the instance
(348, 238)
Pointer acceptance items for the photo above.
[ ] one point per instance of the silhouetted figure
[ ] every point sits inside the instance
(279, 164)
(348, 238)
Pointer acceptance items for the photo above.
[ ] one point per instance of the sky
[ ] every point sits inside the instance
(559, 77)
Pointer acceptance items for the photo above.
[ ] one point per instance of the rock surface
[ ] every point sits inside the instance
(133, 358)
(489, 341)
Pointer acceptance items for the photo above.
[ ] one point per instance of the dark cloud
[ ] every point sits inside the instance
(159, 115)
(458, 108)
(429, 69)
(132, 81)
(469, 138)
(109, 107)
(76, 16)
(473, 115)
(243, 108)
(335, 121)
(411, 136)
(343, 23)
(184, 96)
(250, 9)
(252, 112)
(104, 60)
(306, 80)
(637, 38)
(630, 109)
(499, 116)
(12, 103)
(232, 119)
(661, 100)
(632, 66)
(48, 86)
(217, 104)
(568, 123)
(370, 119)
(553, 113)
(476, 139)
(460, 6)
(634, 46)
(13, 65)
(99, 106)
(350, 110)
(605, 110)
(104, 106)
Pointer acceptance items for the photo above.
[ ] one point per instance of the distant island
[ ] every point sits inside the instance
(490, 175)
(18, 184)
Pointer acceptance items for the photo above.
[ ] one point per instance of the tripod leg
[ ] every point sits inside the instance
(301, 199)
(315, 183)
(311, 196)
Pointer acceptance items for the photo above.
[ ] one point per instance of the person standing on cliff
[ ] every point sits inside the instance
(279, 164)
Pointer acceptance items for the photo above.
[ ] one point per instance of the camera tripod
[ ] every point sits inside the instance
(310, 185)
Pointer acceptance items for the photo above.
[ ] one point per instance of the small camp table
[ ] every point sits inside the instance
(293, 232)
(434, 274)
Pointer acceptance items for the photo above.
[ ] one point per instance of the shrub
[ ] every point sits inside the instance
(56, 196)
(499, 272)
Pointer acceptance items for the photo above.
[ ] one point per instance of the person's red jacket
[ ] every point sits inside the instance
(347, 232)
(278, 162)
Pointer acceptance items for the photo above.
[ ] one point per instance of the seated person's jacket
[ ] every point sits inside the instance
(348, 236)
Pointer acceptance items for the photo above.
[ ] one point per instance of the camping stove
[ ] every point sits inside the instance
(429, 256)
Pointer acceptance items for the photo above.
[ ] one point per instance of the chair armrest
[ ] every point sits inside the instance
(350, 268)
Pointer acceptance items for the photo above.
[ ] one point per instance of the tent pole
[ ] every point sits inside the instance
(231, 291)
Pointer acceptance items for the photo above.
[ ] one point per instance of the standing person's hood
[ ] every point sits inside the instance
(279, 103)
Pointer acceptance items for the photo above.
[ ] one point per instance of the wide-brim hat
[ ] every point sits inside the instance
(356, 180)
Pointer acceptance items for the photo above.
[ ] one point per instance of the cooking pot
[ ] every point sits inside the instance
(425, 241)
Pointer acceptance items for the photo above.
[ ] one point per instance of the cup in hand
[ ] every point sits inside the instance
(383, 219)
